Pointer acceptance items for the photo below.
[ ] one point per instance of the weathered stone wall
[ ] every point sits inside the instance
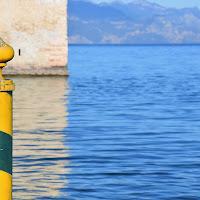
(37, 30)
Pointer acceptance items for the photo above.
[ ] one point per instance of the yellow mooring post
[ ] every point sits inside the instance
(6, 88)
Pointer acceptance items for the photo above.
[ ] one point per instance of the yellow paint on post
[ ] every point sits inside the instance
(5, 186)
(6, 53)
(6, 88)
(6, 85)
(6, 112)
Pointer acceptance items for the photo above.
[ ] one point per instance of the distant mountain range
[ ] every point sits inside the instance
(139, 22)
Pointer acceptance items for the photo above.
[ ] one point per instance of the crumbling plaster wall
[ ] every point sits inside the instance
(37, 30)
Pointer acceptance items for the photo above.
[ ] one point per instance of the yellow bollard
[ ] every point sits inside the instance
(6, 88)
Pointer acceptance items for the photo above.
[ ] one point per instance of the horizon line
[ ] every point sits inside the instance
(153, 44)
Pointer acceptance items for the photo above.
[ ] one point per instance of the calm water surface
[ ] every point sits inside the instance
(124, 126)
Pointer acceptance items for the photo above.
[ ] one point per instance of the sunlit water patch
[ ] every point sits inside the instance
(40, 157)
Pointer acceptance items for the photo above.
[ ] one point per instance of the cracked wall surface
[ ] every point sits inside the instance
(37, 30)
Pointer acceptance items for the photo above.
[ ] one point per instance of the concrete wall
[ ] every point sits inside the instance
(38, 29)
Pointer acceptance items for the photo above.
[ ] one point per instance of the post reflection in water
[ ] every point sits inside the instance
(40, 161)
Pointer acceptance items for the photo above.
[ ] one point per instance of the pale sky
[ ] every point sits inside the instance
(167, 3)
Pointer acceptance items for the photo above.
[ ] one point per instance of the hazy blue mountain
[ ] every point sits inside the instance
(139, 22)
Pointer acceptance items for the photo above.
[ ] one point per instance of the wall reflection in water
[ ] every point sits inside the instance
(40, 161)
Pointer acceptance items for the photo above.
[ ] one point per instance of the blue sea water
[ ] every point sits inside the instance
(124, 126)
